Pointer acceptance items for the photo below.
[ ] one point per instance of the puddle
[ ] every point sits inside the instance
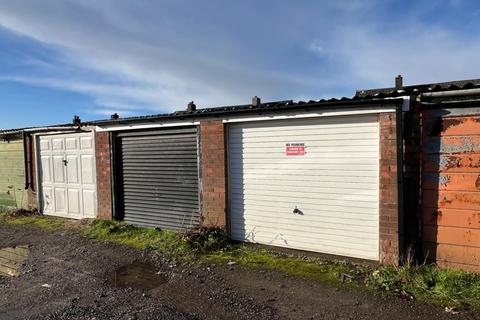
(11, 260)
(137, 275)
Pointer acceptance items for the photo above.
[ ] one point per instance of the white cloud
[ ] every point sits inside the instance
(156, 56)
(421, 54)
(109, 112)
(162, 73)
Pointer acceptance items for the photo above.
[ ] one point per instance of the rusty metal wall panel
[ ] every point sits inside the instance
(446, 254)
(451, 218)
(450, 201)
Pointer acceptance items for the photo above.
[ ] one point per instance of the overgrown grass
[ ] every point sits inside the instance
(426, 283)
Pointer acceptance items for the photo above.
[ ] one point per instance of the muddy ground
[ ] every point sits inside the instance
(67, 276)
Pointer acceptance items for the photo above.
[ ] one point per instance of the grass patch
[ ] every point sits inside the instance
(425, 283)
(310, 268)
(38, 221)
(167, 242)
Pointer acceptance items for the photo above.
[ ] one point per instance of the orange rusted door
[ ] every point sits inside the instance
(451, 188)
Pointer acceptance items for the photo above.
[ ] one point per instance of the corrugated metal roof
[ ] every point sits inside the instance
(284, 105)
(248, 108)
(417, 89)
(32, 129)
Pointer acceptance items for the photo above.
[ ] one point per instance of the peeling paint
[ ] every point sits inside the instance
(461, 163)
(466, 145)
(446, 162)
(443, 180)
(452, 145)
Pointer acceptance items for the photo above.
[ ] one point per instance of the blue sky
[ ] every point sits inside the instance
(93, 58)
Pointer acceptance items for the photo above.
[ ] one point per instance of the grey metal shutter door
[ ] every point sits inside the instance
(159, 178)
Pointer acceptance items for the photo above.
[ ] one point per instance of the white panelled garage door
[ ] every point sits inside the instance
(67, 175)
(309, 184)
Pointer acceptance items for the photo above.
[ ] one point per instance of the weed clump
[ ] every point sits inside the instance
(428, 283)
(204, 240)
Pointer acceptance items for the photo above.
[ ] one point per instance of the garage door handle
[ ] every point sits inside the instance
(297, 211)
(65, 162)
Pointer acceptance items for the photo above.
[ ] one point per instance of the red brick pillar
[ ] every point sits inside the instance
(389, 236)
(212, 174)
(104, 178)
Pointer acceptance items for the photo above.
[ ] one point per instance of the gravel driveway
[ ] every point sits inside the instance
(67, 276)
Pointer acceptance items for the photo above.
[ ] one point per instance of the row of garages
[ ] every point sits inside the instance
(326, 176)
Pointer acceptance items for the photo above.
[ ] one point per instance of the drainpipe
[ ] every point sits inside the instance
(450, 93)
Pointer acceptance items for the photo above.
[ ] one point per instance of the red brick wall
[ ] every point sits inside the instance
(104, 182)
(212, 174)
(389, 237)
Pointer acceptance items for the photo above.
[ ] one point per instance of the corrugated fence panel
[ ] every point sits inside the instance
(451, 190)
(332, 181)
(159, 175)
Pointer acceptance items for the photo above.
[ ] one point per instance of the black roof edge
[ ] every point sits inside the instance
(419, 88)
(17, 131)
(249, 109)
(284, 105)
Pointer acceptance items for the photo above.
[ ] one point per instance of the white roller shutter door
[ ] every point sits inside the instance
(309, 184)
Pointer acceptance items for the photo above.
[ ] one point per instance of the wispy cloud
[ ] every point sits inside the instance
(152, 56)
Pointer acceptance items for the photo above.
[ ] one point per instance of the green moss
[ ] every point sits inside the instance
(167, 242)
(310, 268)
(41, 222)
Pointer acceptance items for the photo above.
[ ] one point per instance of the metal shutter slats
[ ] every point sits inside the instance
(159, 178)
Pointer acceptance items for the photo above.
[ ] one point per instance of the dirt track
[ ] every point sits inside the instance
(77, 270)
